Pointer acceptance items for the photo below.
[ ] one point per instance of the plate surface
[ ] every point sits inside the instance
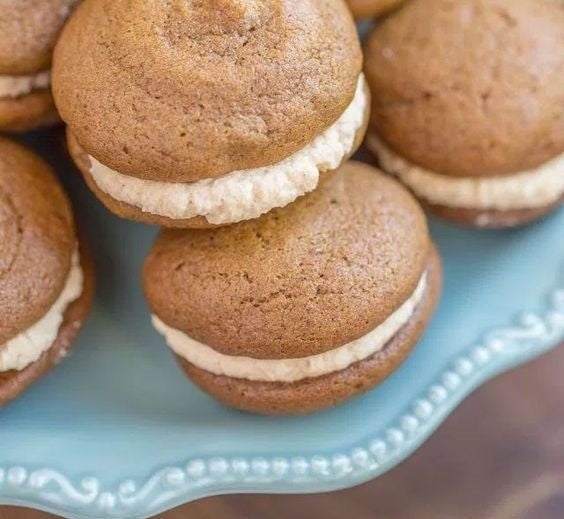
(117, 431)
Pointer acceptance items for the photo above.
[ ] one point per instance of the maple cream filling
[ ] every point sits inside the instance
(293, 369)
(28, 346)
(16, 86)
(530, 189)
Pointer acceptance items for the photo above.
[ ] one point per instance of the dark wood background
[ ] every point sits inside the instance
(499, 456)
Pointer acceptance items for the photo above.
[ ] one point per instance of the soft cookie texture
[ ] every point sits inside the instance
(297, 282)
(473, 90)
(29, 30)
(38, 239)
(196, 91)
(362, 9)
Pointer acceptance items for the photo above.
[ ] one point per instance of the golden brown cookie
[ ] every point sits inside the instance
(29, 30)
(220, 113)
(467, 101)
(46, 280)
(299, 297)
(362, 9)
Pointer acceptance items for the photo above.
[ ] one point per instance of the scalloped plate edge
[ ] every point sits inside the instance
(499, 350)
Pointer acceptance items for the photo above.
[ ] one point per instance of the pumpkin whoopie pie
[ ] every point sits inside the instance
(304, 307)
(365, 9)
(29, 30)
(468, 106)
(46, 280)
(191, 114)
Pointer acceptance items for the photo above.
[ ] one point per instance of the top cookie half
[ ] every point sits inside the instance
(470, 88)
(185, 90)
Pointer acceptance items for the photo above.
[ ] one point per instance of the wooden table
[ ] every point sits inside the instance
(499, 456)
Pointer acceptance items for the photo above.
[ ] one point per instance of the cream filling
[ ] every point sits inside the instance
(15, 86)
(245, 194)
(291, 370)
(28, 346)
(524, 190)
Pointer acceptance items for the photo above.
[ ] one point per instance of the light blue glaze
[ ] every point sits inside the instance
(118, 431)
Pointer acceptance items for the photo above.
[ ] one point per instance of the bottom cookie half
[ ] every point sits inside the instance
(314, 394)
(491, 219)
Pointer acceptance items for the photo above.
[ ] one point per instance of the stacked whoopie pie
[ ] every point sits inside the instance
(46, 280)
(196, 118)
(468, 106)
(29, 30)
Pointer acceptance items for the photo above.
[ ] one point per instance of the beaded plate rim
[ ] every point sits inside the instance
(497, 351)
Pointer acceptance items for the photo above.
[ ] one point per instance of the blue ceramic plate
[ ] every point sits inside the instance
(117, 431)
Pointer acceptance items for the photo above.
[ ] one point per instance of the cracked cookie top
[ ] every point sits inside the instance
(181, 90)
